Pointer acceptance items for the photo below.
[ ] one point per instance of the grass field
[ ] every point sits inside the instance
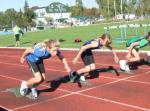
(69, 34)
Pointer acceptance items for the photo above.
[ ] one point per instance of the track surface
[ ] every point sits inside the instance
(107, 93)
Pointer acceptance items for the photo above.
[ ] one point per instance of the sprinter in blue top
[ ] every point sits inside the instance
(35, 57)
(86, 54)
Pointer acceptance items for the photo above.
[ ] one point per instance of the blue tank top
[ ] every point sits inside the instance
(38, 55)
(98, 47)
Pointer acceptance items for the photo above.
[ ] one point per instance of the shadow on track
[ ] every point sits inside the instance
(54, 84)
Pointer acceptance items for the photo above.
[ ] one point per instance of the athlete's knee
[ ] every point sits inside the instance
(39, 78)
(92, 67)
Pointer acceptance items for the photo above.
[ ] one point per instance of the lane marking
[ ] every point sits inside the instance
(102, 64)
(80, 93)
(115, 102)
(3, 107)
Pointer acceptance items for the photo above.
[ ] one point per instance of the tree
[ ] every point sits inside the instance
(105, 7)
(26, 6)
(23, 19)
(145, 8)
(90, 12)
(10, 16)
(2, 20)
(29, 15)
(79, 7)
(20, 19)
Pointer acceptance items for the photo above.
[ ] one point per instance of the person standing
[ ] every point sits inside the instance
(16, 31)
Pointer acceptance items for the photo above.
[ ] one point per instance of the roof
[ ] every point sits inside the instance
(57, 7)
(36, 7)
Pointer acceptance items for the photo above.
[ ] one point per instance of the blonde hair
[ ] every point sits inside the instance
(49, 42)
(46, 43)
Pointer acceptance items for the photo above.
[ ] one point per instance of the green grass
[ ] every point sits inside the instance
(69, 34)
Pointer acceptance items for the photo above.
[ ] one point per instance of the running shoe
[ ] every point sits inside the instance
(72, 76)
(23, 89)
(34, 92)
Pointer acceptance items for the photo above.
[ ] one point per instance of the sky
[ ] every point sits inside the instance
(17, 4)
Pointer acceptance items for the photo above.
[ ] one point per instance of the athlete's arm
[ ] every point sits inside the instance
(114, 53)
(63, 59)
(26, 52)
(66, 65)
(132, 46)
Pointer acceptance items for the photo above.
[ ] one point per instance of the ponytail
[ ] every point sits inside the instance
(106, 35)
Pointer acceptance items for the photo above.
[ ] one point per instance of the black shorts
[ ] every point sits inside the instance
(36, 67)
(87, 57)
(17, 37)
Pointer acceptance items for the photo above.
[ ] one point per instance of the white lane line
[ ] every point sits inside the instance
(102, 64)
(1, 106)
(115, 102)
(27, 66)
(48, 100)
(79, 92)
(134, 81)
(113, 82)
(8, 77)
(64, 71)
(50, 69)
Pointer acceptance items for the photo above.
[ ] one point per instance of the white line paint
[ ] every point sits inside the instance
(78, 62)
(8, 77)
(48, 100)
(1, 106)
(113, 82)
(134, 81)
(71, 49)
(19, 65)
(115, 102)
(79, 93)
(51, 69)
(55, 70)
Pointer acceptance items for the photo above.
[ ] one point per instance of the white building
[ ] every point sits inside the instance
(55, 11)
(125, 16)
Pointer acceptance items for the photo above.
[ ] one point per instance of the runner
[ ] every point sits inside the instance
(86, 54)
(133, 45)
(35, 57)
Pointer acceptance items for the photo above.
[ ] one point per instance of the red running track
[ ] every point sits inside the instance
(107, 93)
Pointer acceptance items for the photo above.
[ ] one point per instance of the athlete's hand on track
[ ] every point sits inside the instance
(22, 60)
(116, 59)
(68, 69)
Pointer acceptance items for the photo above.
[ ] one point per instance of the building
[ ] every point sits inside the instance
(126, 16)
(55, 11)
